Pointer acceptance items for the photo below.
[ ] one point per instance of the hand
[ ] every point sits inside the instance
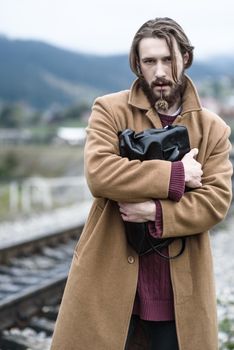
(192, 169)
(138, 212)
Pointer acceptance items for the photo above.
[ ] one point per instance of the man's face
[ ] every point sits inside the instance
(155, 64)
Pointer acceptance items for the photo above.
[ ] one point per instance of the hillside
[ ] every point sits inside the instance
(42, 74)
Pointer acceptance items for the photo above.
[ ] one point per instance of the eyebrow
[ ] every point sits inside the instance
(152, 57)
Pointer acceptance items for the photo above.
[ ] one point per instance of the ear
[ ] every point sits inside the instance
(186, 58)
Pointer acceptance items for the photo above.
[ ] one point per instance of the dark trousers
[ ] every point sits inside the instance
(151, 335)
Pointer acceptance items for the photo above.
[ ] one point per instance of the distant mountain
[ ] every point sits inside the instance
(42, 74)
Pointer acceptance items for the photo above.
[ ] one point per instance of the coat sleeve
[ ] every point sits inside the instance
(199, 210)
(111, 176)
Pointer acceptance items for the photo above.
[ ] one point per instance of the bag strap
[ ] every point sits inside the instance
(156, 248)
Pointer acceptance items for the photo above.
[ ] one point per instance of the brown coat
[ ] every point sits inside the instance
(101, 286)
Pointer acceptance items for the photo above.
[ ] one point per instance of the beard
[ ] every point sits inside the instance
(162, 100)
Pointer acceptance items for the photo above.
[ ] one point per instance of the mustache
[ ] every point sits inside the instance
(159, 82)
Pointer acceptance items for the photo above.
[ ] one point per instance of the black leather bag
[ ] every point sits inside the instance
(170, 143)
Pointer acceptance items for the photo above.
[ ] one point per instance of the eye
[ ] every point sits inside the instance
(167, 59)
(149, 61)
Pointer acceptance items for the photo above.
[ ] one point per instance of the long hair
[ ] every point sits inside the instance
(163, 28)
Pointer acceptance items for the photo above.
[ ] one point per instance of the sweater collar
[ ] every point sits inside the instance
(190, 99)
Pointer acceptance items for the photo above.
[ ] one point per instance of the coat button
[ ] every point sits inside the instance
(131, 259)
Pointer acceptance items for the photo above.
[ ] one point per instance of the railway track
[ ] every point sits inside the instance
(32, 279)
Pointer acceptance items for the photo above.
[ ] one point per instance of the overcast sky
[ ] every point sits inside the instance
(108, 26)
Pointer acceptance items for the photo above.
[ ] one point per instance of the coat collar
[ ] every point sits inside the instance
(190, 99)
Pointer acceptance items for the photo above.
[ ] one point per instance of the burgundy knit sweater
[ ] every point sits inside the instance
(154, 297)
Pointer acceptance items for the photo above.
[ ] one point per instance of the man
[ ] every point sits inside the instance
(113, 299)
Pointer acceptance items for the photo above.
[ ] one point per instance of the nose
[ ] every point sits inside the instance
(159, 70)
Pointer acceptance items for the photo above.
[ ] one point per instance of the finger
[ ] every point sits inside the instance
(194, 152)
(194, 184)
(121, 205)
(124, 217)
(198, 184)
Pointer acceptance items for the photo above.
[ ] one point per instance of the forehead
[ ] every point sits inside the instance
(156, 47)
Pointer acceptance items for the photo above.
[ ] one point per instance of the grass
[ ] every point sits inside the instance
(18, 162)
(4, 199)
(21, 161)
(226, 327)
